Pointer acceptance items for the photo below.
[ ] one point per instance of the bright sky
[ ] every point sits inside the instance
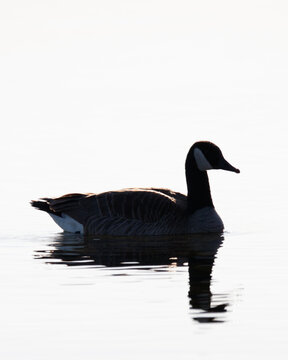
(107, 94)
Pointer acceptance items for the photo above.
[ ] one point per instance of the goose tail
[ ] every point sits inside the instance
(63, 220)
(43, 205)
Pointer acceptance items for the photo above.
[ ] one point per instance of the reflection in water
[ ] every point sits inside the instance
(196, 251)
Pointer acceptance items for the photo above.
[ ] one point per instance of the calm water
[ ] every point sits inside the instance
(194, 297)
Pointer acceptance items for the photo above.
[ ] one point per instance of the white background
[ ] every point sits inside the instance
(100, 95)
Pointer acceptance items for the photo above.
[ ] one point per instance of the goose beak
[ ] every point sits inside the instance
(224, 165)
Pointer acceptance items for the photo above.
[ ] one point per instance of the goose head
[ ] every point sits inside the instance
(208, 156)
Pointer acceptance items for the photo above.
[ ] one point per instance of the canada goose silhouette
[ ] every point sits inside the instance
(146, 211)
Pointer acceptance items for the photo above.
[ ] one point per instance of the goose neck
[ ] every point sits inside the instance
(199, 194)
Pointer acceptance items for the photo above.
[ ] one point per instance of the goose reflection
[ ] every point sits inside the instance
(196, 251)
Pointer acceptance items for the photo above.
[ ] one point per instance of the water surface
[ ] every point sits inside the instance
(199, 296)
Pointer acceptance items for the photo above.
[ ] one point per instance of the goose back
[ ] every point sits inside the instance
(124, 212)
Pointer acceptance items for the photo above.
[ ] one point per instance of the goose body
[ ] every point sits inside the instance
(145, 211)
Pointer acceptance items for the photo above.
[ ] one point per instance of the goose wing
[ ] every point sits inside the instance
(147, 205)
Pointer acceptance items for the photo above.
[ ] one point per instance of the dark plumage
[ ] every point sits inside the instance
(141, 211)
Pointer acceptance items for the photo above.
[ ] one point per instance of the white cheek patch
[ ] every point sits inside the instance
(201, 161)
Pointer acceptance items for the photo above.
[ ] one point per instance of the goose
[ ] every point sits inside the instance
(146, 211)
